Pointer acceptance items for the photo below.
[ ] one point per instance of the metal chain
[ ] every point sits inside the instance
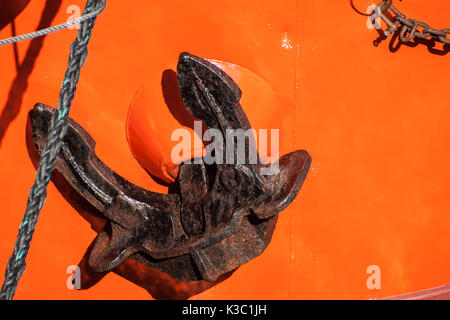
(58, 128)
(409, 28)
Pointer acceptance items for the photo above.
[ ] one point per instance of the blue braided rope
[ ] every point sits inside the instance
(57, 130)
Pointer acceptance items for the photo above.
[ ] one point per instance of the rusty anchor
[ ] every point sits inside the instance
(222, 215)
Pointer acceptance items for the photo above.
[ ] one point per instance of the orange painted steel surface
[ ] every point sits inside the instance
(151, 139)
(374, 119)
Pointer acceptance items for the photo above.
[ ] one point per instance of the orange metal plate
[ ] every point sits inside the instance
(374, 121)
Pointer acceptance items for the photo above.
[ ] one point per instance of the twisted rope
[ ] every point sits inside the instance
(58, 128)
(43, 32)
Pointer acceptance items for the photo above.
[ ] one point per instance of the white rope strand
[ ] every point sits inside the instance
(59, 27)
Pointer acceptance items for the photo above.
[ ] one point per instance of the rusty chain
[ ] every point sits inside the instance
(409, 28)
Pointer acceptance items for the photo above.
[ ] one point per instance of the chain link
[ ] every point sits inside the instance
(409, 28)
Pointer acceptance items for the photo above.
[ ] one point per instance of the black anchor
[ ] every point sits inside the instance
(221, 216)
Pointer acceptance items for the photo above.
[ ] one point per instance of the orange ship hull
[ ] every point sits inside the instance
(373, 117)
